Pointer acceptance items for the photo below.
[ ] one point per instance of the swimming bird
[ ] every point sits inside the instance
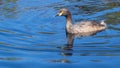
(81, 27)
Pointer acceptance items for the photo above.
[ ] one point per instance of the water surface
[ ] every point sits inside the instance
(32, 37)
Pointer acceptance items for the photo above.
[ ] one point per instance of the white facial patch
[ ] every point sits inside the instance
(60, 14)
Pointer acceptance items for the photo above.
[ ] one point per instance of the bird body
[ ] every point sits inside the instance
(81, 27)
(85, 26)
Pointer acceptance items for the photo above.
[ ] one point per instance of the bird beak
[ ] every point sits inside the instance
(59, 14)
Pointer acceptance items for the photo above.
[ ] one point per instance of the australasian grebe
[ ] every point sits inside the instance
(81, 27)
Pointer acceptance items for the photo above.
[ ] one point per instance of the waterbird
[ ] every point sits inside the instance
(82, 27)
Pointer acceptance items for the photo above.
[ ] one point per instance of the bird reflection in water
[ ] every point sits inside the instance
(68, 51)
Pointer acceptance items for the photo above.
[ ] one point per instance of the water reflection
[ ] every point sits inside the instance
(70, 40)
(1, 2)
(10, 58)
(113, 18)
(9, 8)
(89, 50)
(73, 1)
(61, 60)
(71, 37)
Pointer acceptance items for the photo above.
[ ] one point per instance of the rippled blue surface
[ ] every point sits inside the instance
(32, 37)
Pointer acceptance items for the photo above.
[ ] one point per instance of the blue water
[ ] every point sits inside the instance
(32, 37)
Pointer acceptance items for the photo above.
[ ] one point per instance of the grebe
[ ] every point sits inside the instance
(81, 27)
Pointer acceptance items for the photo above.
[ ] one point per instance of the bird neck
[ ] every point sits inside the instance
(69, 23)
(69, 20)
